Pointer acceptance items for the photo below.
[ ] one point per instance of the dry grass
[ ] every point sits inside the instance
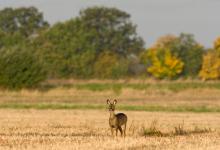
(129, 92)
(125, 80)
(192, 97)
(77, 129)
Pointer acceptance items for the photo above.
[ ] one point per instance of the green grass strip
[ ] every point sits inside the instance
(117, 87)
(149, 108)
(173, 86)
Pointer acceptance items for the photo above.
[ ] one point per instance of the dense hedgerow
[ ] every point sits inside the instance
(20, 68)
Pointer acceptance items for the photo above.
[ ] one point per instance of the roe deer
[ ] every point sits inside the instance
(116, 121)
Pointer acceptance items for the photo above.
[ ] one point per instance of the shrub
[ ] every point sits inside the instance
(19, 68)
(109, 65)
(152, 130)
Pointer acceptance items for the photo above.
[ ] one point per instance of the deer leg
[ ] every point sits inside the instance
(120, 129)
(116, 129)
(112, 131)
(125, 130)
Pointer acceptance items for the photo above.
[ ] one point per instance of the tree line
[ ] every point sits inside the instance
(101, 42)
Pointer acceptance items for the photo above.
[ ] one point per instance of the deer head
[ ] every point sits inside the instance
(111, 105)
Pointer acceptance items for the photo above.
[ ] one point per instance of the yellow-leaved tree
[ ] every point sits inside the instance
(211, 66)
(164, 64)
(211, 63)
(217, 44)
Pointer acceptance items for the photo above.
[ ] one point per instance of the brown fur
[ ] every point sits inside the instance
(116, 121)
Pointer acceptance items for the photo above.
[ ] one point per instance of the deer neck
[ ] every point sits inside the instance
(112, 114)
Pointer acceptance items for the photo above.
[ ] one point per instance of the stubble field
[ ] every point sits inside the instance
(178, 115)
(80, 129)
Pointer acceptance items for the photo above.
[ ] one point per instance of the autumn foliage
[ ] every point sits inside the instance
(217, 44)
(211, 63)
(101, 42)
(162, 64)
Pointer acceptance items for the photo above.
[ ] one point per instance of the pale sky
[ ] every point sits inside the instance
(154, 18)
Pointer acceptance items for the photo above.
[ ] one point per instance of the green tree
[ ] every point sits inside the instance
(64, 52)
(71, 48)
(20, 68)
(11, 40)
(112, 29)
(190, 52)
(109, 65)
(27, 21)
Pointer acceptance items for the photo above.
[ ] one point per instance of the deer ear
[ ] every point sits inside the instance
(108, 101)
(115, 101)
